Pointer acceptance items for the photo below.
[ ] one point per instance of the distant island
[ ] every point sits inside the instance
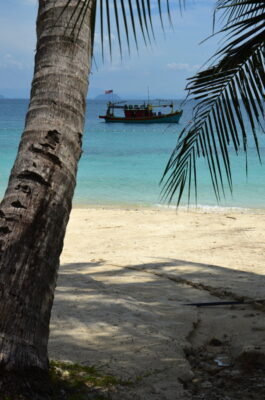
(1, 96)
(107, 97)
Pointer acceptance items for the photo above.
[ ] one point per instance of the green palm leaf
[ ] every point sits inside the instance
(232, 87)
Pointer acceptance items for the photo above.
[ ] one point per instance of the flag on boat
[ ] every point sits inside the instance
(108, 91)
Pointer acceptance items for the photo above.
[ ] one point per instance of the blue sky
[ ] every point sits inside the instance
(174, 57)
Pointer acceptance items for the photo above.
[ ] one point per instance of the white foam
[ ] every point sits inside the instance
(207, 208)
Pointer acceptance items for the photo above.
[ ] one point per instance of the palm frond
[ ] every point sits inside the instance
(232, 10)
(233, 87)
(123, 18)
(133, 18)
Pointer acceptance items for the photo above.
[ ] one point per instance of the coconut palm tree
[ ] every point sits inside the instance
(37, 203)
(233, 86)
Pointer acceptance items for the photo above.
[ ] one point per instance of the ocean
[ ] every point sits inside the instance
(122, 164)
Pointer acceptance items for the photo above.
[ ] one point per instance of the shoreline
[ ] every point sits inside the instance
(200, 209)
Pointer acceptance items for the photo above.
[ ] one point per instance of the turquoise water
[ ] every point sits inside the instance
(122, 163)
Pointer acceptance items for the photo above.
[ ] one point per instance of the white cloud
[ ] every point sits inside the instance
(183, 66)
(8, 61)
(31, 2)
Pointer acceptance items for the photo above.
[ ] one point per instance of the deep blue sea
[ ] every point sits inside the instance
(122, 163)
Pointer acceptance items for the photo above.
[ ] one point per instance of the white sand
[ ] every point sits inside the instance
(125, 274)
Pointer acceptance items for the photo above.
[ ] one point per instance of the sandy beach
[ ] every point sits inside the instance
(125, 277)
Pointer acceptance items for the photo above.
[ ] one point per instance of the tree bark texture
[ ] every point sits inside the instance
(37, 203)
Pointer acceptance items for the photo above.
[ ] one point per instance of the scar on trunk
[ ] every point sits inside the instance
(52, 157)
(4, 230)
(33, 176)
(17, 204)
(53, 136)
(80, 137)
(24, 188)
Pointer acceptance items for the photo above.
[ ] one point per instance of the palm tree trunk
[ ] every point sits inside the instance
(37, 203)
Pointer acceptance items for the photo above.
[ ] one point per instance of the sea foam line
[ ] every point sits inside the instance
(208, 208)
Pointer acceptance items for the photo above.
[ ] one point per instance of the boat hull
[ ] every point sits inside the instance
(166, 118)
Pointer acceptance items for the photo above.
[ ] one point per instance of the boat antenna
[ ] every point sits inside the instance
(147, 94)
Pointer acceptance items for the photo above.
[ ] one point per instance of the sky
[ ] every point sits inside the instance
(163, 68)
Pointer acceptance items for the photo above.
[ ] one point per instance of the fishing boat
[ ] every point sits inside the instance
(143, 113)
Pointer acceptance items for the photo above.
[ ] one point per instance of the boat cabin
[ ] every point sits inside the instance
(134, 111)
(138, 111)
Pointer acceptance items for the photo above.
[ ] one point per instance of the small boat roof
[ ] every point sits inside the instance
(137, 106)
